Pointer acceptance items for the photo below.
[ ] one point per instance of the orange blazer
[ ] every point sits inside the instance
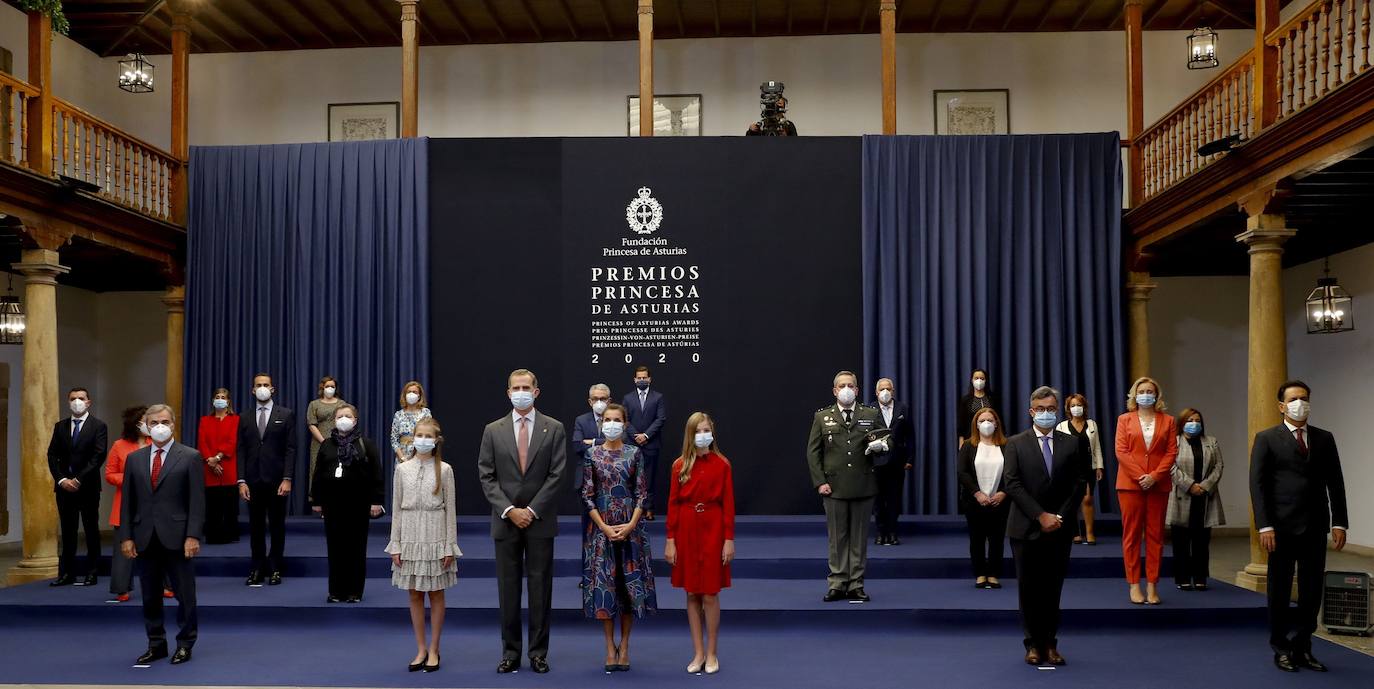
(1134, 460)
(114, 473)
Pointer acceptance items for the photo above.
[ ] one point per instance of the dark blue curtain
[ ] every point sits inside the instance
(303, 261)
(995, 252)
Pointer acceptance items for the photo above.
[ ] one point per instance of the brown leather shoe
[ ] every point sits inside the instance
(1053, 656)
(1032, 656)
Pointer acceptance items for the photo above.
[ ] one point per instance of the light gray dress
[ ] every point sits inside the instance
(424, 527)
(320, 414)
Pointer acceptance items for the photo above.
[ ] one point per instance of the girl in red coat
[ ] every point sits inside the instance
(701, 534)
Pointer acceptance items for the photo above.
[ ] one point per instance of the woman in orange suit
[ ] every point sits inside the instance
(1146, 447)
(133, 436)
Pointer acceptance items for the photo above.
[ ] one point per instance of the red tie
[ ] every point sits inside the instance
(157, 466)
(1302, 444)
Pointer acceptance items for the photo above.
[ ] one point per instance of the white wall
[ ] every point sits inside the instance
(1198, 351)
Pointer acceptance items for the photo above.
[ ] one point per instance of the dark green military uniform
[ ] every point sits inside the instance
(835, 453)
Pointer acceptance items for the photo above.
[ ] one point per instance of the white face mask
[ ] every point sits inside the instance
(522, 399)
(1299, 409)
(424, 446)
(412, 398)
(885, 396)
(987, 427)
(329, 391)
(703, 439)
(599, 407)
(161, 432)
(1076, 410)
(143, 428)
(344, 423)
(846, 396)
(78, 407)
(979, 384)
(613, 430)
(263, 393)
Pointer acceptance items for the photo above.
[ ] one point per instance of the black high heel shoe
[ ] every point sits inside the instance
(416, 667)
(435, 666)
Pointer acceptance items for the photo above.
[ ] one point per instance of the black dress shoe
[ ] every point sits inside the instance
(1284, 662)
(181, 656)
(155, 653)
(1306, 660)
(508, 665)
(881, 540)
(539, 665)
(275, 580)
(353, 599)
(833, 595)
(88, 581)
(333, 599)
(859, 595)
(893, 540)
(62, 580)
(254, 578)
(1052, 655)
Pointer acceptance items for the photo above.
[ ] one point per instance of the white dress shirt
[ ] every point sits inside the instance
(887, 414)
(166, 451)
(987, 466)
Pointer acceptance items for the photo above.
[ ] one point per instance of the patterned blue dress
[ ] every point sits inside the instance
(618, 577)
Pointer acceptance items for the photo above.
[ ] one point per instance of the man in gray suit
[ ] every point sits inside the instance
(161, 522)
(520, 465)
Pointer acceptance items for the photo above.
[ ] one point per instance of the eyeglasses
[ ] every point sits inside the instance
(1042, 409)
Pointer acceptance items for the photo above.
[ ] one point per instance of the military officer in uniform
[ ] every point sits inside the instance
(840, 455)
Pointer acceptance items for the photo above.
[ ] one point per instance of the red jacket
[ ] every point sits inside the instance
(1134, 460)
(213, 437)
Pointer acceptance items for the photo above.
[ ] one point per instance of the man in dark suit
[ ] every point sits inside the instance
(1043, 473)
(648, 413)
(587, 427)
(521, 461)
(266, 464)
(75, 455)
(1298, 494)
(161, 523)
(892, 466)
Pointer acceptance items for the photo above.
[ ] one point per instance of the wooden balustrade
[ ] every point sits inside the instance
(128, 170)
(1320, 49)
(15, 100)
(1220, 108)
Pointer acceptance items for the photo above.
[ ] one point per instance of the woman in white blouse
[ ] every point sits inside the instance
(403, 422)
(1085, 430)
(981, 497)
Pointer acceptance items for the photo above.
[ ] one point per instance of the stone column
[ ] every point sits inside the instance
(175, 300)
(1268, 353)
(1138, 288)
(40, 268)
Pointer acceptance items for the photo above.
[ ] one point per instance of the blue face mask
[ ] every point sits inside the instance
(522, 399)
(1046, 419)
(642, 384)
(221, 403)
(1192, 427)
(1145, 399)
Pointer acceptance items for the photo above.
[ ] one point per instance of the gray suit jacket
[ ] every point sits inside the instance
(1181, 501)
(498, 468)
(175, 510)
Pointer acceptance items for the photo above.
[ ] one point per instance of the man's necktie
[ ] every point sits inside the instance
(157, 466)
(76, 429)
(262, 422)
(1302, 444)
(1049, 455)
(848, 416)
(524, 444)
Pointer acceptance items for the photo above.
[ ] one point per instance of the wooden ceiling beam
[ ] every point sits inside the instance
(199, 25)
(314, 21)
(264, 11)
(754, 18)
(1082, 14)
(605, 18)
(150, 11)
(935, 13)
(1117, 18)
(682, 23)
(788, 3)
(825, 18)
(1248, 23)
(568, 18)
(500, 30)
(534, 25)
(974, 6)
(863, 15)
(154, 39)
(1044, 15)
(1008, 15)
(462, 25)
(901, 10)
(715, 8)
(392, 23)
(212, 10)
(1152, 14)
(165, 27)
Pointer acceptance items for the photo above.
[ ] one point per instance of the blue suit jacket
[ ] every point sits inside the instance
(648, 419)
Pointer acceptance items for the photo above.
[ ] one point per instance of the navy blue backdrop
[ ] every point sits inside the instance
(304, 261)
(995, 252)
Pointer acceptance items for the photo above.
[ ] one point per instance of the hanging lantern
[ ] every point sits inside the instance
(11, 318)
(1202, 48)
(136, 74)
(1329, 307)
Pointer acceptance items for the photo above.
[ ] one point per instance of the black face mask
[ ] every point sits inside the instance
(642, 384)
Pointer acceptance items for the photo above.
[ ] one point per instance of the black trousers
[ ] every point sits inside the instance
(267, 510)
(161, 563)
(522, 557)
(987, 531)
(888, 507)
(82, 506)
(650, 456)
(1041, 565)
(1192, 553)
(1290, 628)
(345, 533)
(222, 514)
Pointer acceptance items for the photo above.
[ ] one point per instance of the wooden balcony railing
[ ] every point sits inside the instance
(15, 100)
(128, 170)
(1320, 49)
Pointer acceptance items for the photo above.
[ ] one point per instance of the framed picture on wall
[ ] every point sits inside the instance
(364, 121)
(675, 114)
(976, 111)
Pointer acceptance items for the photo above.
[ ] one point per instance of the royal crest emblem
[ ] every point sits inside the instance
(645, 213)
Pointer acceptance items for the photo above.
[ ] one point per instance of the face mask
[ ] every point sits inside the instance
(161, 432)
(642, 384)
(424, 446)
(885, 396)
(78, 407)
(522, 399)
(1298, 410)
(329, 391)
(846, 396)
(221, 403)
(143, 428)
(703, 440)
(613, 430)
(987, 427)
(263, 393)
(1145, 399)
(1046, 419)
(1076, 410)
(979, 384)
(345, 423)
(412, 398)
(599, 407)
(1192, 427)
